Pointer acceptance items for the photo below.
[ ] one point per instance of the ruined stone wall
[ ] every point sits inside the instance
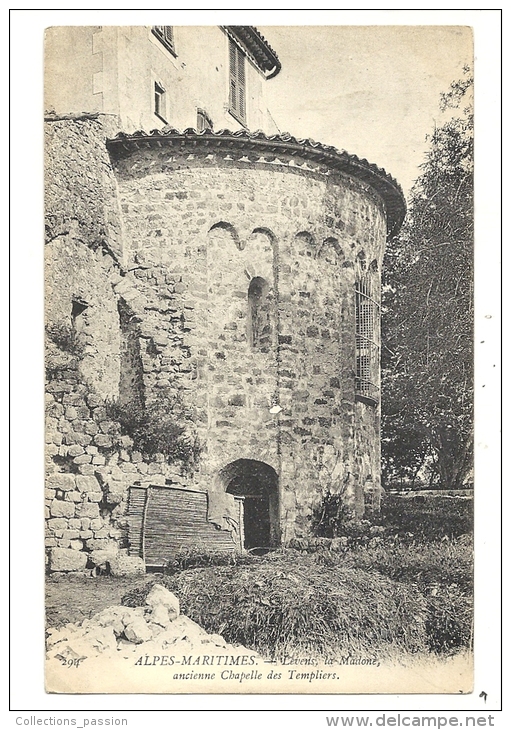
(91, 352)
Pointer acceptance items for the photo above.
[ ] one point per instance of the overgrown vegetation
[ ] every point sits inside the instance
(386, 590)
(332, 517)
(63, 350)
(157, 427)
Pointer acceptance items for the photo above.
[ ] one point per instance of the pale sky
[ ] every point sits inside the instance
(373, 90)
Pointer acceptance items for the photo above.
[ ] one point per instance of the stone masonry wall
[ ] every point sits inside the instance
(210, 225)
(164, 267)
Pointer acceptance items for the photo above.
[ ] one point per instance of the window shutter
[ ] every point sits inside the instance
(165, 33)
(233, 76)
(168, 34)
(241, 84)
(237, 92)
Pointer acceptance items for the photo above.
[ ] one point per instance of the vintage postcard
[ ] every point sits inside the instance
(259, 359)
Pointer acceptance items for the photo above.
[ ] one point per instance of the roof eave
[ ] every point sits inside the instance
(257, 47)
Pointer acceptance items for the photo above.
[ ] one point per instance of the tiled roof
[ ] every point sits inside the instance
(257, 145)
(258, 47)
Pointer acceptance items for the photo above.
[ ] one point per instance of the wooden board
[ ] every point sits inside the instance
(167, 519)
(136, 505)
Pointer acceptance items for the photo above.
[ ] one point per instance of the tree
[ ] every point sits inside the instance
(427, 312)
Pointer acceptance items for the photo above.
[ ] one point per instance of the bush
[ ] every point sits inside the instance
(64, 338)
(63, 351)
(334, 518)
(156, 428)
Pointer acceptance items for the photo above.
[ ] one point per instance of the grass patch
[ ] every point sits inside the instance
(427, 517)
(441, 564)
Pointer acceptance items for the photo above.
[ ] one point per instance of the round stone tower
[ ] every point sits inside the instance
(259, 259)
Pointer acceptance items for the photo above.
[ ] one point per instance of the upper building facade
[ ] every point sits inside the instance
(149, 77)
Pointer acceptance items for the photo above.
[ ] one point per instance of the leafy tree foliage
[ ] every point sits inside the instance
(427, 312)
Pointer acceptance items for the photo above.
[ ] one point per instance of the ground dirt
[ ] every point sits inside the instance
(72, 598)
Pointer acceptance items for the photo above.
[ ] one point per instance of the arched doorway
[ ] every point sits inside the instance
(257, 482)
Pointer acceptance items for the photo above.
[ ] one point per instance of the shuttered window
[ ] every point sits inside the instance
(237, 86)
(165, 33)
(367, 313)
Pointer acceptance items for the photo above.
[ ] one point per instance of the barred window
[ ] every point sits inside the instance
(367, 313)
(165, 33)
(237, 90)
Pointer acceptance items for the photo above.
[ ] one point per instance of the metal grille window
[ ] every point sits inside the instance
(165, 33)
(367, 311)
(237, 90)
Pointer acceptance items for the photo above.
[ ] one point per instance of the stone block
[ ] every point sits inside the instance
(95, 496)
(75, 450)
(160, 596)
(160, 615)
(57, 524)
(64, 482)
(101, 557)
(128, 467)
(83, 459)
(87, 509)
(137, 631)
(108, 427)
(115, 497)
(102, 439)
(123, 565)
(71, 534)
(104, 544)
(59, 508)
(87, 483)
(65, 560)
(73, 497)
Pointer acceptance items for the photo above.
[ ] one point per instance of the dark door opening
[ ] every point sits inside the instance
(257, 482)
(256, 516)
